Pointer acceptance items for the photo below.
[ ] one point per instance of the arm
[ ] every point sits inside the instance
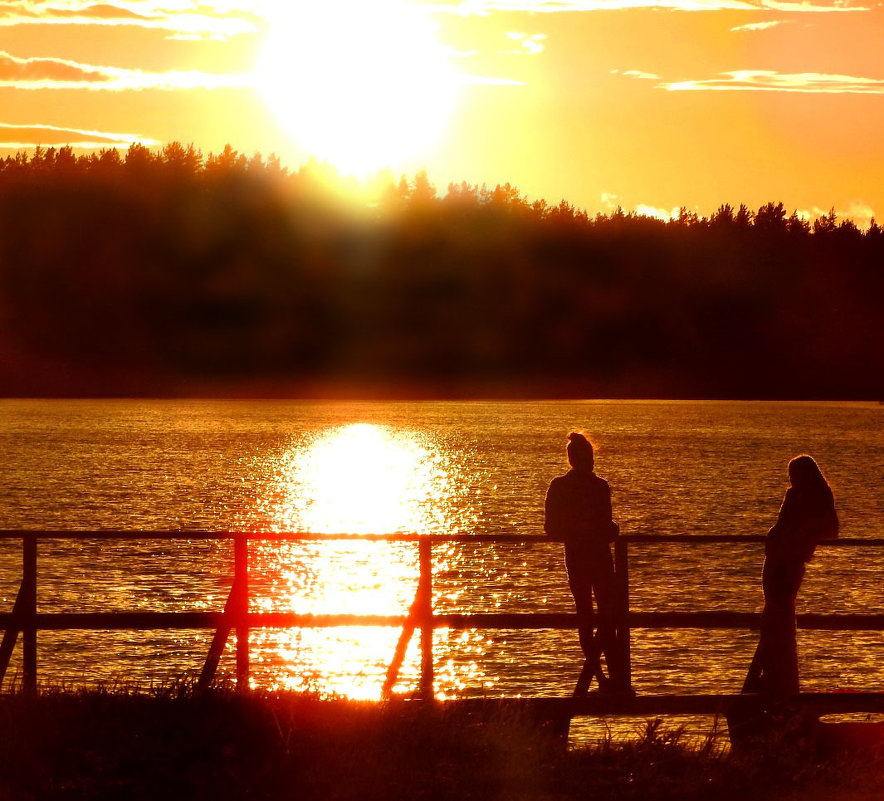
(785, 518)
(777, 544)
(554, 523)
(802, 523)
(608, 514)
(830, 527)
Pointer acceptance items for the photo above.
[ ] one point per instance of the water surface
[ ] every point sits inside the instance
(453, 467)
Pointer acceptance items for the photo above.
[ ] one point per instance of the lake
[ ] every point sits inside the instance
(431, 467)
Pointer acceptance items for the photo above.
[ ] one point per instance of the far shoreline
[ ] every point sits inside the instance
(101, 386)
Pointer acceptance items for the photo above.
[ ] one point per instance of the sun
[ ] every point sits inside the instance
(362, 84)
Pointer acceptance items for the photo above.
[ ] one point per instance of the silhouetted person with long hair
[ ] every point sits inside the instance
(578, 513)
(806, 517)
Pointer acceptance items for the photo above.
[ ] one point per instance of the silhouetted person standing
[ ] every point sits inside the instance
(806, 517)
(578, 513)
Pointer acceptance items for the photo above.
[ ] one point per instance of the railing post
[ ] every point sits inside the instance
(29, 613)
(621, 567)
(241, 609)
(425, 616)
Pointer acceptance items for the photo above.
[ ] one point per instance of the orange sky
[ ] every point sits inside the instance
(651, 104)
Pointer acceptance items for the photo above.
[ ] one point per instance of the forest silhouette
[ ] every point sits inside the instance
(166, 272)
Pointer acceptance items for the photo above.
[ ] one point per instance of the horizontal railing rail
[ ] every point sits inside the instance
(119, 621)
(25, 620)
(306, 536)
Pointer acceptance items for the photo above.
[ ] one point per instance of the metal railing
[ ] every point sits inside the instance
(25, 620)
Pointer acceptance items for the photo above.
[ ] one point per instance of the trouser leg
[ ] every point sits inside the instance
(779, 647)
(606, 598)
(582, 592)
(580, 582)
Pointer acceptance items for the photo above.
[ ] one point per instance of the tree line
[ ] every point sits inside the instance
(146, 271)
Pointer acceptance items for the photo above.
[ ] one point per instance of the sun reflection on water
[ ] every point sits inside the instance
(361, 479)
(354, 479)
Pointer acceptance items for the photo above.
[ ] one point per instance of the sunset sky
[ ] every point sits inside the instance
(648, 104)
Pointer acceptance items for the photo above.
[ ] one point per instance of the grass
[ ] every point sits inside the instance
(166, 743)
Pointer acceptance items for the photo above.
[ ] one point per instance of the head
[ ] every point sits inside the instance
(804, 473)
(580, 452)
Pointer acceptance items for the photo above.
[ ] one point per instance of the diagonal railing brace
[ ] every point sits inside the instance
(235, 616)
(24, 612)
(420, 614)
(219, 640)
(401, 647)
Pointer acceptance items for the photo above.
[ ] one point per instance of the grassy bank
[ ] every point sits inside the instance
(128, 745)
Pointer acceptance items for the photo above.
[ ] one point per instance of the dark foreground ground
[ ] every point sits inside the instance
(170, 745)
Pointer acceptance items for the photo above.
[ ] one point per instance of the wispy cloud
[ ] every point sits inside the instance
(486, 7)
(531, 44)
(760, 26)
(612, 202)
(59, 73)
(646, 76)
(29, 135)
(772, 81)
(860, 212)
(644, 210)
(179, 19)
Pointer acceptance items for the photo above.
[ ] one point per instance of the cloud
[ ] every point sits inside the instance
(222, 19)
(760, 26)
(59, 73)
(646, 76)
(771, 81)
(14, 70)
(644, 210)
(610, 200)
(612, 203)
(486, 7)
(187, 20)
(531, 44)
(30, 135)
(859, 211)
